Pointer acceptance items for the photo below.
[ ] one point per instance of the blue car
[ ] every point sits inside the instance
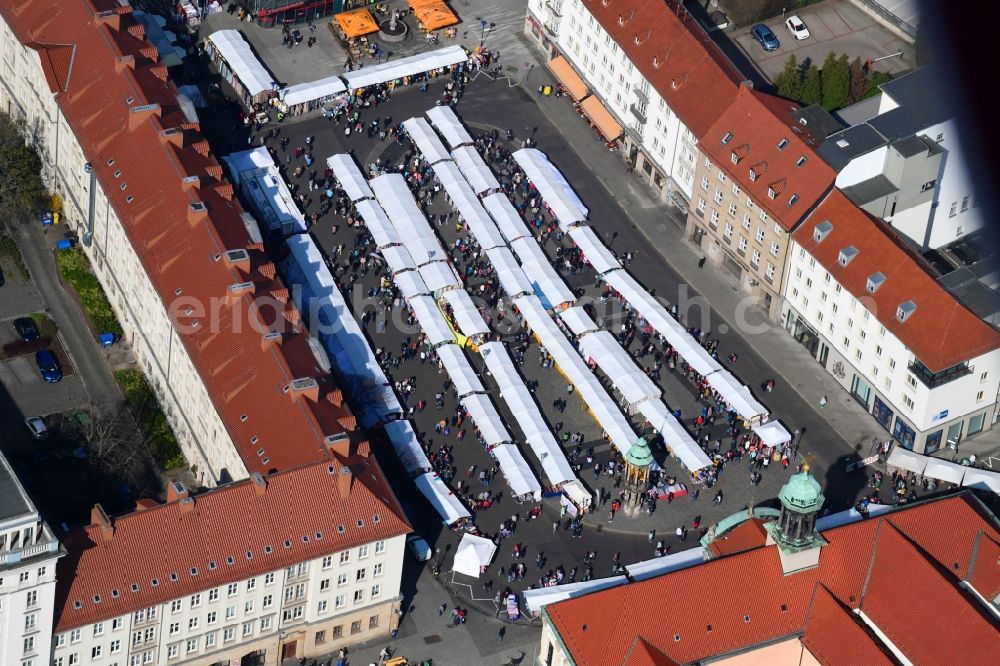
(48, 365)
(765, 37)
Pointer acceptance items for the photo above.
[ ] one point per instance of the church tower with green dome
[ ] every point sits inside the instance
(795, 530)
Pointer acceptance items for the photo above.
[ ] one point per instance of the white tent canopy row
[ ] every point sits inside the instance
(507, 219)
(397, 69)
(247, 160)
(905, 459)
(382, 230)
(307, 92)
(349, 176)
(601, 405)
(332, 323)
(982, 479)
(486, 418)
(398, 260)
(257, 176)
(467, 316)
(449, 507)
(529, 417)
(537, 599)
(945, 470)
(474, 169)
(426, 141)
(602, 349)
(736, 395)
(552, 186)
(772, 433)
(237, 53)
(460, 371)
(473, 553)
(578, 321)
(410, 284)
(662, 565)
(674, 436)
(516, 470)
(431, 321)
(448, 125)
(439, 275)
(464, 200)
(407, 446)
(548, 284)
(594, 251)
(395, 198)
(511, 277)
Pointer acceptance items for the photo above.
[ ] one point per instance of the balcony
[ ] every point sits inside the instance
(640, 114)
(935, 379)
(551, 28)
(18, 554)
(555, 8)
(700, 213)
(640, 94)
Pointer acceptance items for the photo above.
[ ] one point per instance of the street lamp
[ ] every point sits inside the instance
(486, 26)
(527, 71)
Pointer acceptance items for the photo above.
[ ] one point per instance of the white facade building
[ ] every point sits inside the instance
(926, 368)
(28, 556)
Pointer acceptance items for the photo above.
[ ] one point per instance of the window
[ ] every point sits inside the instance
(774, 249)
(717, 196)
(377, 589)
(115, 647)
(232, 589)
(728, 233)
(95, 652)
(23, 576)
(701, 205)
(983, 377)
(230, 612)
(193, 623)
(345, 557)
(31, 599)
(965, 204)
(360, 575)
(195, 600)
(116, 624)
(328, 561)
(911, 380)
(847, 343)
(227, 634)
(356, 627)
(857, 354)
(743, 244)
(171, 651)
(337, 631)
(819, 316)
(265, 623)
(979, 396)
(732, 209)
(268, 601)
(210, 639)
(60, 640)
(770, 271)
(755, 257)
(213, 595)
(377, 569)
(74, 636)
(269, 578)
(175, 628)
(98, 628)
(704, 183)
(339, 601)
(192, 645)
(722, 177)
(736, 190)
(321, 606)
(359, 596)
(715, 219)
(341, 579)
(247, 628)
(954, 210)
(211, 618)
(908, 402)
(892, 364)
(759, 235)
(324, 585)
(29, 645)
(248, 606)
(749, 203)
(746, 221)
(175, 606)
(252, 583)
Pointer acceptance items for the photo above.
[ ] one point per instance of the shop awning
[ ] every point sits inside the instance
(435, 16)
(601, 117)
(356, 23)
(567, 76)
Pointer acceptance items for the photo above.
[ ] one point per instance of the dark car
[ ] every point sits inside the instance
(26, 328)
(765, 37)
(48, 365)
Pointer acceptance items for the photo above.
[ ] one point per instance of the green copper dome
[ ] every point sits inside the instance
(639, 454)
(802, 494)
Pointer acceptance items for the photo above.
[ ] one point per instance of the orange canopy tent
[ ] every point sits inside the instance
(601, 117)
(571, 81)
(414, 4)
(356, 23)
(435, 16)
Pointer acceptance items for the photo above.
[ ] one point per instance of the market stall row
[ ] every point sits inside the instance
(944, 470)
(449, 126)
(259, 180)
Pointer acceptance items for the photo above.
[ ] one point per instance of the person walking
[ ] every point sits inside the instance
(822, 402)
(701, 262)
(502, 632)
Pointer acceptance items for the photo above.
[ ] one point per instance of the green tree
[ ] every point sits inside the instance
(789, 81)
(21, 188)
(859, 82)
(812, 87)
(875, 79)
(836, 82)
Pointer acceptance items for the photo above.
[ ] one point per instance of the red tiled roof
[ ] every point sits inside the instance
(836, 637)
(690, 72)
(732, 603)
(753, 127)
(230, 521)
(748, 534)
(985, 568)
(100, 71)
(941, 332)
(644, 654)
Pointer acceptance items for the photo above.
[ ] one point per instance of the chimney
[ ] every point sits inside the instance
(238, 259)
(139, 114)
(173, 135)
(344, 479)
(270, 339)
(306, 387)
(235, 291)
(197, 211)
(100, 519)
(176, 490)
(339, 444)
(187, 505)
(259, 484)
(109, 18)
(190, 183)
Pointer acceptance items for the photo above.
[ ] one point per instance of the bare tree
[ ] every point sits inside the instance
(115, 446)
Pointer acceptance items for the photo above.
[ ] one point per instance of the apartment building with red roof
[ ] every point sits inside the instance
(202, 307)
(853, 594)
(651, 66)
(868, 308)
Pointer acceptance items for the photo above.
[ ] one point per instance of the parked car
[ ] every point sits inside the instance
(765, 37)
(797, 27)
(36, 426)
(26, 328)
(48, 365)
(420, 548)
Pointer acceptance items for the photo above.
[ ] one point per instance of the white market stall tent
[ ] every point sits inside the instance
(602, 349)
(378, 224)
(313, 90)
(237, 53)
(448, 124)
(410, 284)
(662, 565)
(449, 507)
(555, 191)
(479, 176)
(460, 371)
(594, 251)
(507, 219)
(471, 211)
(486, 419)
(737, 396)
(536, 599)
(432, 322)
(511, 277)
(426, 140)
(982, 479)
(680, 443)
(905, 459)
(473, 555)
(259, 180)
(516, 470)
(349, 176)
(407, 446)
(397, 69)
(468, 318)
(411, 226)
(529, 417)
(398, 260)
(439, 275)
(578, 321)
(945, 470)
(548, 284)
(772, 433)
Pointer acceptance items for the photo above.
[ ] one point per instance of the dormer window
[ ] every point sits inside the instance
(753, 176)
(875, 281)
(727, 138)
(782, 143)
(822, 230)
(799, 162)
(904, 310)
(792, 199)
(771, 193)
(846, 255)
